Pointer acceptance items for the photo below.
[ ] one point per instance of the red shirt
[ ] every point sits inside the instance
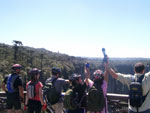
(37, 86)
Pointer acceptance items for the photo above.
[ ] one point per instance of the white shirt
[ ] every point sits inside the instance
(126, 79)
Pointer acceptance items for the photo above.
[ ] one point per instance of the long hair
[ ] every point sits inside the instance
(34, 73)
(34, 77)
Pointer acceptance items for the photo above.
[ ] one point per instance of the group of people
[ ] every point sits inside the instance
(13, 86)
(34, 102)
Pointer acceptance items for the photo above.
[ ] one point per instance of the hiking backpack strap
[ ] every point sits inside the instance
(53, 82)
(140, 81)
(81, 100)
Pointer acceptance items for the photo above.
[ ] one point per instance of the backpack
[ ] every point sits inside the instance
(95, 99)
(136, 93)
(10, 83)
(50, 93)
(71, 101)
(31, 89)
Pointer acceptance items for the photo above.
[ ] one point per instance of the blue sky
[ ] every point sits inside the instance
(79, 27)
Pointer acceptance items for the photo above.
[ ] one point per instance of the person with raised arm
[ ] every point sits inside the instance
(139, 87)
(100, 81)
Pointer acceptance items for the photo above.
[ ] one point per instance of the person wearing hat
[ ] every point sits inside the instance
(59, 84)
(13, 87)
(100, 79)
(79, 88)
(34, 97)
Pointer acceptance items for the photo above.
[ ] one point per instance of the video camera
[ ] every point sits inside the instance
(105, 56)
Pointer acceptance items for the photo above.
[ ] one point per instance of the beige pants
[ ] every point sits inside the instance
(58, 107)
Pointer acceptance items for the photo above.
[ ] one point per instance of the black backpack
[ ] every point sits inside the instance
(71, 99)
(95, 99)
(136, 97)
(50, 93)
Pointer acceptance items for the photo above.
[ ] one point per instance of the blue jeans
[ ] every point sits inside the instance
(147, 111)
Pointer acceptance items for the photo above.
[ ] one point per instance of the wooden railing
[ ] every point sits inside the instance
(116, 101)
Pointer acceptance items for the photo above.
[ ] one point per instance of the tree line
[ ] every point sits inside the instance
(43, 59)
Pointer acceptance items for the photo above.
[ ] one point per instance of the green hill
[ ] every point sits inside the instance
(40, 58)
(43, 59)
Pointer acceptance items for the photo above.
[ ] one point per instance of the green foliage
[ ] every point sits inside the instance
(43, 59)
(40, 58)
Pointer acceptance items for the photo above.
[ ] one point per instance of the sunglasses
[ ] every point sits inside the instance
(97, 75)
